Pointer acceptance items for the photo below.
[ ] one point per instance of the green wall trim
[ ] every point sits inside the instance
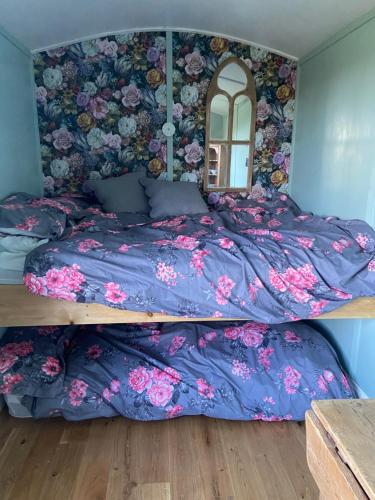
(169, 70)
(358, 23)
(4, 33)
(295, 124)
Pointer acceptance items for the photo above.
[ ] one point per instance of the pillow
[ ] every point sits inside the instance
(121, 194)
(168, 198)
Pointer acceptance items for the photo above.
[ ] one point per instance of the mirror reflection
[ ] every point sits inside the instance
(219, 117)
(231, 104)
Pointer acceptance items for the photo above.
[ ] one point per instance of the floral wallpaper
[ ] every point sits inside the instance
(101, 106)
(102, 103)
(196, 58)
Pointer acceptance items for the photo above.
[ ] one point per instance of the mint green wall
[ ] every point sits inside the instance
(334, 160)
(19, 145)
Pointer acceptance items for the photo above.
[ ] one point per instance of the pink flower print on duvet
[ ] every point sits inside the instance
(226, 243)
(88, 244)
(207, 337)
(291, 337)
(224, 289)
(160, 393)
(207, 220)
(185, 243)
(362, 240)
(77, 393)
(94, 352)
(51, 367)
(264, 354)
(176, 344)
(18, 348)
(114, 293)
(7, 360)
(174, 411)
(28, 224)
(197, 261)
(340, 245)
(323, 380)
(34, 284)
(371, 266)
(205, 389)
(139, 379)
(294, 280)
(113, 389)
(240, 369)
(305, 242)
(166, 274)
(9, 381)
(291, 380)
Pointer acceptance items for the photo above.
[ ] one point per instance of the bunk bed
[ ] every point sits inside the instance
(263, 260)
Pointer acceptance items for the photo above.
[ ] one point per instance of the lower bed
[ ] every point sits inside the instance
(239, 371)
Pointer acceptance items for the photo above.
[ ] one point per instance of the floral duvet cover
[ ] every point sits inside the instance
(238, 371)
(262, 259)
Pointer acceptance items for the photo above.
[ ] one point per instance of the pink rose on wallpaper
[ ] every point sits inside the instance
(51, 367)
(139, 379)
(41, 94)
(98, 108)
(114, 293)
(177, 110)
(62, 139)
(205, 389)
(113, 141)
(174, 411)
(131, 96)
(94, 351)
(195, 63)
(9, 381)
(193, 153)
(108, 48)
(7, 360)
(160, 393)
(34, 284)
(263, 110)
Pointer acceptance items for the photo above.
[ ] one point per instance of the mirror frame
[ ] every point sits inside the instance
(250, 92)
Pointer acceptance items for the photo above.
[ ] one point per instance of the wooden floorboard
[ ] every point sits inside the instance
(191, 458)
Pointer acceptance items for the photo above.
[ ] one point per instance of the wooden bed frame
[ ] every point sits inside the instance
(18, 307)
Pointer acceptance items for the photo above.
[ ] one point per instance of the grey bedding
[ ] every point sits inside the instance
(265, 259)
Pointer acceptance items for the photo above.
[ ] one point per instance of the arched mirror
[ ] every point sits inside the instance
(230, 128)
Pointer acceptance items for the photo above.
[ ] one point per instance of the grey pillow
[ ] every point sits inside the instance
(168, 198)
(121, 194)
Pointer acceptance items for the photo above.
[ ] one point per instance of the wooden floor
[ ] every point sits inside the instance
(188, 458)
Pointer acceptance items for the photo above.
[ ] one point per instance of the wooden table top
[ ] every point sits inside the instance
(351, 424)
